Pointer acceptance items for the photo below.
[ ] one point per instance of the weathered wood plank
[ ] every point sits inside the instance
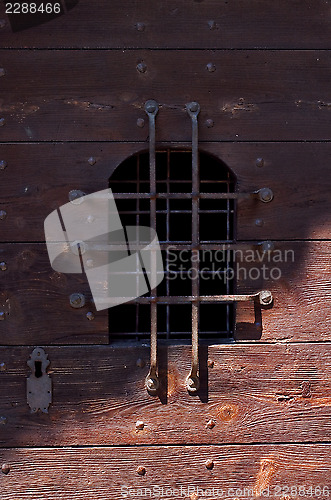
(38, 178)
(241, 24)
(99, 95)
(35, 301)
(252, 393)
(272, 471)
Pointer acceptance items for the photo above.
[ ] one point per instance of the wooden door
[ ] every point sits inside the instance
(74, 84)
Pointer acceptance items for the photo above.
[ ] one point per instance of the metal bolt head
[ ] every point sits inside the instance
(3, 164)
(193, 384)
(141, 470)
(267, 246)
(90, 316)
(210, 363)
(3, 367)
(76, 197)
(3, 420)
(3, 214)
(140, 425)
(142, 67)
(90, 263)
(77, 300)
(3, 266)
(212, 24)
(140, 27)
(209, 464)
(211, 67)
(2, 316)
(266, 195)
(5, 468)
(140, 122)
(209, 123)
(259, 222)
(210, 424)
(140, 363)
(152, 384)
(193, 106)
(2, 122)
(92, 160)
(259, 162)
(265, 297)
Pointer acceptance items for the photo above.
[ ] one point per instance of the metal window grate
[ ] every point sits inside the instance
(215, 227)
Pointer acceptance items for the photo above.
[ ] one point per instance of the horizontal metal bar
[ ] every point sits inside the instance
(263, 194)
(264, 296)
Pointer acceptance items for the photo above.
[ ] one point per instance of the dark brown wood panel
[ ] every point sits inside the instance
(252, 393)
(38, 178)
(35, 301)
(96, 473)
(185, 24)
(99, 95)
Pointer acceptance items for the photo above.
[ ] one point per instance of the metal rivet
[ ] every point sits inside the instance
(259, 162)
(76, 196)
(151, 106)
(2, 122)
(140, 425)
(90, 219)
(77, 300)
(209, 464)
(3, 164)
(5, 468)
(152, 384)
(209, 123)
(210, 424)
(3, 367)
(92, 160)
(89, 263)
(2, 316)
(259, 222)
(2, 23)
(90, 316)
(266, 195)
(3, 214)
(140, 363)
(140, 122)
(211, 67)
(3, 266)
(2, 72)
(3, 420)
(193, 106)
(210, 363)
(141, 470)
(212, 25)
(141, 67)
(140, 27)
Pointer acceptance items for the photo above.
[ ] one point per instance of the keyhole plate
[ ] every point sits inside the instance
(39, 383)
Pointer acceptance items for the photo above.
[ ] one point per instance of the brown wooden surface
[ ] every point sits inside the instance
(241, 24)
(253, 393)
(39, 177)
(99, 473)
(36, 299)
(99, 95)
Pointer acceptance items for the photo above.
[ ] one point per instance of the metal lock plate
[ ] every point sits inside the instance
(39, 384)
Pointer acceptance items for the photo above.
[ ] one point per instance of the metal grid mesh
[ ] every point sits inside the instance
(178, 227)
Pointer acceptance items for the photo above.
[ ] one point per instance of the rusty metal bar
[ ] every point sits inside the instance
(152, 380)
(193, 383)
(264, 194)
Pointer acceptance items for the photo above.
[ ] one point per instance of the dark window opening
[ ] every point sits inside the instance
(131, 321)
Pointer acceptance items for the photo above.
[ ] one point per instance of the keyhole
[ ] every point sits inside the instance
(37, 366)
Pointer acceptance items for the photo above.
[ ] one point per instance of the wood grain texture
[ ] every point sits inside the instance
(99, 95)
(35, 300)
(98, 473)
(241, 24)
(252, 394)
(39, 177)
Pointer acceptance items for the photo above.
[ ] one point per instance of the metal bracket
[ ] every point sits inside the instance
(39, 384)
(152, 379)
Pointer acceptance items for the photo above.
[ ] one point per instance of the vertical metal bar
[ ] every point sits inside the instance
(137, 225)
(193, 383)
(152, 380)
(168, 241)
